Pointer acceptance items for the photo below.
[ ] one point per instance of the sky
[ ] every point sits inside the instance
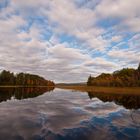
(68, 40)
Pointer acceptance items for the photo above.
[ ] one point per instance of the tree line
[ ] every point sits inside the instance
(23, 79)
(126, 77)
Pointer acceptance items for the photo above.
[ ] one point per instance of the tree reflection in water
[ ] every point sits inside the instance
(22, 93)
(126, 100)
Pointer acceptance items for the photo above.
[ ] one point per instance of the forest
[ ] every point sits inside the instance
(126, 77)
(22, 79)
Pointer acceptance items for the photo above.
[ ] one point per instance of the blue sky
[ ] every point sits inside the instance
(67, 40)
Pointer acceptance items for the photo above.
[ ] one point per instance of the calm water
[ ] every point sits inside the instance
(47, 114)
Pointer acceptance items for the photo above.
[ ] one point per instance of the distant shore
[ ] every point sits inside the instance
(107, 90)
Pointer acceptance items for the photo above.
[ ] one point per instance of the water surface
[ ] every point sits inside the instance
(36, 114)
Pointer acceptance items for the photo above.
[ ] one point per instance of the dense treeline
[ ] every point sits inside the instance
(23, 79)
(126, 77)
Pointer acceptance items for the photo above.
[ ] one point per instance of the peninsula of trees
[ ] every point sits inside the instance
(126, 77)
(8, 78)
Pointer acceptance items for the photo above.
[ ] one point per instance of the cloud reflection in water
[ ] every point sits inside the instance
(66, 115)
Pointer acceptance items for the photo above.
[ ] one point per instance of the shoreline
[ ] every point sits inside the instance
(85, 88)
(103, 90)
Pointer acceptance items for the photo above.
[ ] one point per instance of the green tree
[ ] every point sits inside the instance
(139, 67)
(23, 79)
(89, 80)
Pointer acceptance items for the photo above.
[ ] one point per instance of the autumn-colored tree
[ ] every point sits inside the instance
(23, 79)
(126, 77)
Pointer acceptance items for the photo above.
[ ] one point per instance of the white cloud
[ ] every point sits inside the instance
(133, 24)
(78, 22)
(62, 51)
(126, 55)
(33, 37)
(116, 38)
(126, 11)
(117, 8)
(129, 55)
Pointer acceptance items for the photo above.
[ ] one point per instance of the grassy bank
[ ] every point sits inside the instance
(107, 90)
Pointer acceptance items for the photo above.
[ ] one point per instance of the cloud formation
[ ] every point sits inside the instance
(66, 41)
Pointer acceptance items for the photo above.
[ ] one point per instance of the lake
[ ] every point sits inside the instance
(61, 114)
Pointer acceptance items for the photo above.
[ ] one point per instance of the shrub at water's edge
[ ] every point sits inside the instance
(126, 77)
(8, 78)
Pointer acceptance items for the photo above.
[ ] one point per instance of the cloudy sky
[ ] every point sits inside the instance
(67, 40)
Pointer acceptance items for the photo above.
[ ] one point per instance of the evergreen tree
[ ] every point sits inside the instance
(139, 67)
(89, 80)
